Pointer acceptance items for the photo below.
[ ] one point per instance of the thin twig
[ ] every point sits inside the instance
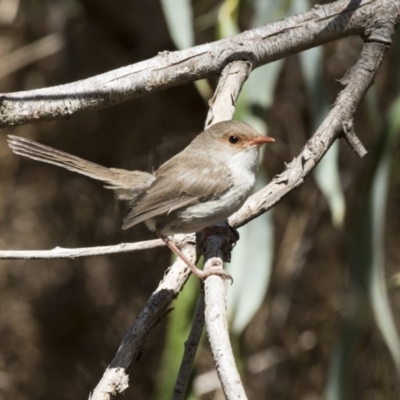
(352, 140)
(60, 252)
(222, 104)
(116, 377)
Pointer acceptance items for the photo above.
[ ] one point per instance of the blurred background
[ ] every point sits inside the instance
(315, 305)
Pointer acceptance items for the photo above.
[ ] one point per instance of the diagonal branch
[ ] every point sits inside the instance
(258, 46)
(222, 104)
(61, 252)
(116, 377)
(358, 80)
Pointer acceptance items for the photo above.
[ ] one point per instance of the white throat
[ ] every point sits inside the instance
(242, 167)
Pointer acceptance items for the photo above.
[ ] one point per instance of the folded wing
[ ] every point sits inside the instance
(178, 186)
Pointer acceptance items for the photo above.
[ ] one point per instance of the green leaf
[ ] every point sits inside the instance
(178, 14)
(328, 180)
(367, 284)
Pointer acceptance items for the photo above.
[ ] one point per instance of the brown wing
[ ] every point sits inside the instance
(176, 188)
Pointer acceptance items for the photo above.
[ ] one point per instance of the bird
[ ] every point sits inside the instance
(202, 185)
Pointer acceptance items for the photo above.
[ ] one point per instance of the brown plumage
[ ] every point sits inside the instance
(200, 186)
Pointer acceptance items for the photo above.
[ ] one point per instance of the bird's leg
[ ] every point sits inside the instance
(198, 272)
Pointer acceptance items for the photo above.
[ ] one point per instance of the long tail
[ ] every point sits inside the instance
(128, 185)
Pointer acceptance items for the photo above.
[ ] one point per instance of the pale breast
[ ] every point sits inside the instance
(242, 167)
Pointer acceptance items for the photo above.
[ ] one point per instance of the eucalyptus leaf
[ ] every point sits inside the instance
(367, 284)
(179, 18)
(327, 173)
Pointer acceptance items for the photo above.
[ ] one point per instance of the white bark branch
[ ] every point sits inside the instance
(217, 331)
(217, 246)
(60, 252)
(222, 104)
(218, 335)
(258, 46)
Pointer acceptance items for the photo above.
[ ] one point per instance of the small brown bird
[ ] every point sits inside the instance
(202, 185)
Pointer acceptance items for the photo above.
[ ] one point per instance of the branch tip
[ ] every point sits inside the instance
(351, 138)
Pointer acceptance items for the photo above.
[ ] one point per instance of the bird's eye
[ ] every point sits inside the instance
(233, 139)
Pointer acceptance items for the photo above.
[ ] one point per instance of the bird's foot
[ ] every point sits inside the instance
(213, 267)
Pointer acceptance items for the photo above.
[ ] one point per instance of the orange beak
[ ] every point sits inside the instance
(261, 140)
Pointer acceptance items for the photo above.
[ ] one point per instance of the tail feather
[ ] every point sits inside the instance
(128, 185)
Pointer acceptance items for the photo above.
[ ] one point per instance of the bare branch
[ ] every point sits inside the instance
(258, 46)
(116, 377)
(216, 244)
(222, 104)
(60, 252)
(218, 335)
(351, 138)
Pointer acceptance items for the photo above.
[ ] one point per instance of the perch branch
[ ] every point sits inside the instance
(217, 330)
(352, 140)
(60, 252)
(258, 46)
(217, 323)
(116, 377)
